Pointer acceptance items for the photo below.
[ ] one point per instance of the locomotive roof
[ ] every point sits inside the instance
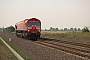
(31, 19)
(28, 19)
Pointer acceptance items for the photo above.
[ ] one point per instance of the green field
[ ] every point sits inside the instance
(78, 37)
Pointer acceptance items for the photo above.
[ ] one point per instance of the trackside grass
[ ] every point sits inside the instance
(78, 37)
(18, 51)
(5, 53)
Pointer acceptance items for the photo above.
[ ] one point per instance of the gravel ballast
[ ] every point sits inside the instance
(36, 51)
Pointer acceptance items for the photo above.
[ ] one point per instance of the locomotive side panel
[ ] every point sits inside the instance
(21, 26)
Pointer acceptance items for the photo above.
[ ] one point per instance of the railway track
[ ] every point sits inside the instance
(72, 43)
(81, 50)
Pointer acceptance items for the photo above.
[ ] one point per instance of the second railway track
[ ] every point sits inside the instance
(76, 49)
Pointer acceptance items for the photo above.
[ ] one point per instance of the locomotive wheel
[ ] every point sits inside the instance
(26, 36)
(22, 35)
(35, 39)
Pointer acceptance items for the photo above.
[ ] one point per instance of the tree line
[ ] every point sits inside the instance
(12, 29)
(85, 29)
(8, 29)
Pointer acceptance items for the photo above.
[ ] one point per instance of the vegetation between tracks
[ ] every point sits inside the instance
(78, 37)
(18, 51)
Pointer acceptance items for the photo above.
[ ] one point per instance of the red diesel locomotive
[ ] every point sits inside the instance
(29, 28)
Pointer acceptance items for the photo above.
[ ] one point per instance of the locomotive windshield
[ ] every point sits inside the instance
(34, 23)
(30, 24)
(37, 23)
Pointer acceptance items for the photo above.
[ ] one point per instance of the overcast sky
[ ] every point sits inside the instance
(52, 13)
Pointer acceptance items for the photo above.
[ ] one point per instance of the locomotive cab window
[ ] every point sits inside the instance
(33, 23)
(37, 23)
(30, 24)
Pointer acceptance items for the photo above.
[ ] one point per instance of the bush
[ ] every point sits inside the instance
(85, 29)
(9, 29)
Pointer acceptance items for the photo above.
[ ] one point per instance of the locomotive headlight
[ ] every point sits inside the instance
(28, 30)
